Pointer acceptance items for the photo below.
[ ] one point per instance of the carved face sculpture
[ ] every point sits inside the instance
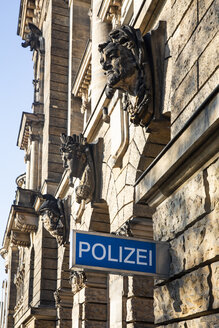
(120, 66)
(52, 223)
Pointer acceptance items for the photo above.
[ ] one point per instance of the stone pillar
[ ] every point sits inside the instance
(34, 163)
(99, 34)
(12, 268)
(27, 161)
(90, 299)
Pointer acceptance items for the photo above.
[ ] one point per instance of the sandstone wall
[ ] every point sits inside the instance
(188, 220)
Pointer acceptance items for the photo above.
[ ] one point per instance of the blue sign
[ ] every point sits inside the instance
(117, 254)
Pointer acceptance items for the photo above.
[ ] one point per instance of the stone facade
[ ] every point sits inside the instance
(139, 158)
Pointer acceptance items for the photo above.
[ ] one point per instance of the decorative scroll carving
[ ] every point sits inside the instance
(134, 64)
(20, 239)
(55, 218)
(34, 39)
(76, 155)
(77, 280)
(26, 223)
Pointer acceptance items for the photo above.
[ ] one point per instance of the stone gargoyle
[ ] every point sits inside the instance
(55, 220)
(134, 64)
(34, 39)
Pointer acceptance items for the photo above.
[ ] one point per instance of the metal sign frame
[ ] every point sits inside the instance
(162, 256)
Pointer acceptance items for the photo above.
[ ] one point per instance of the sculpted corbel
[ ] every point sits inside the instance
(55, 218)
(77, 158)
(134, 64)
(34, 39)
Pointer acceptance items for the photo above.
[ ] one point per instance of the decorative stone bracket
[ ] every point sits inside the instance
(134, 64)
(56, 218)
(34, 39)
(77, 280)
(83, 161)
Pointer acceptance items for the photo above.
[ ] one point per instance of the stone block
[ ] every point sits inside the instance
(205, 32)
(140, 286)
(93, 324)
(203, 6)
(215, 283)
(182, 297)
(198, 244)
(208, 321)
(96, 295)
(94, 311)
(213, 181)
(140, 325)
(139, 309)
(208, 61)
(185, 92)
(131, 175)
(185, 29)
(134, 155)
(199, 98)
(178, 10)
(180, 209)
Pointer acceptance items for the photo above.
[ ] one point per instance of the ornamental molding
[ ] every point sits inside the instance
(20, 239)
(26, 222)
(82, 81)
(110, 11)
(30, 124)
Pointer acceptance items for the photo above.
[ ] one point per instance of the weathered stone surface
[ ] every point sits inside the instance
(180, 209)
(205, 32)
(179, 8)
(208, 61)
(184, 93)
(185, 28)
(92, 311)
(140, 325)
(139, 309)
(93, 324)
(197, 245)
(140, 286)
(209, 321)
(213, 180)
(203, 6)
(182, 297)
(215, 284)
(199, 98)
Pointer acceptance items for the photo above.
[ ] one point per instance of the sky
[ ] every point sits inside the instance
(16, 96)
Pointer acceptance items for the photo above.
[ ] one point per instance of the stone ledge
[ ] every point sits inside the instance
(182, 157)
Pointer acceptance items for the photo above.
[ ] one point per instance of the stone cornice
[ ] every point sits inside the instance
(83, 76)
(27, 121)
(26, 223)
(26, 211)
(110, 10)
(20, 239)
(194, 146)
(26, 15)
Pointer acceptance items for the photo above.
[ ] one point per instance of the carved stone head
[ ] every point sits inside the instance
(73, 152)
(123, 57)
(33, 39)
(53, 216)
